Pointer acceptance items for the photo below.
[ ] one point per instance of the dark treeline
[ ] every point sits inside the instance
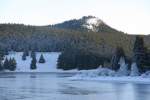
(79, 59)
(20, 37)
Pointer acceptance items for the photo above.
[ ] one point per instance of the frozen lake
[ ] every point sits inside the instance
(56, 86)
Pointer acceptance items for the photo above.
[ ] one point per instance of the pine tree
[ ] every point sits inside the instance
(41, 60)
(1, 65)
(12, 64)
(33, 63)
(2, 55)
(139, 52)
(6, 64)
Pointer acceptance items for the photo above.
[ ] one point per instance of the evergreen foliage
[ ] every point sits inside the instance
(140, 54)
(1, 66)
(10, 64)
(33, 63)
(77, 59)
(2, 53)
(6, 64)
(90, 47)
(41, 60)
(48, 38)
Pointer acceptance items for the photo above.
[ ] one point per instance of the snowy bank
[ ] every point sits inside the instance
(108, 75)
(24, 65)
(124, 79)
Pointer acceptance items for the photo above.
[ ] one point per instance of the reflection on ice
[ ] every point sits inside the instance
(53, 86)
(70, 90)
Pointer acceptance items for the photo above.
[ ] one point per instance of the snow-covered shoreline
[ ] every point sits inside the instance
(100, 74)
(125, 79)
(108, 75)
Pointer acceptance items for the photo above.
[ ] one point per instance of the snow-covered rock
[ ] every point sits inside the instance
(94, 73)
(123, 70)
(24, 65)
(92, 23)
(146, 74)
(134, 70)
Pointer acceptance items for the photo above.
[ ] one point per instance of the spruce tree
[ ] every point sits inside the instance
(1, 65)
(6, 64)
(12, 64)
(33, 63)
(41, 60)
(9, 63)
(2, 55)
(139, 53)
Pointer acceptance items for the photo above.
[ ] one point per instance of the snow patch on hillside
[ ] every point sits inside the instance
(24, 66)
(93, 23)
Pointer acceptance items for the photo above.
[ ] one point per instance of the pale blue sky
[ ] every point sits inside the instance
(131, 16)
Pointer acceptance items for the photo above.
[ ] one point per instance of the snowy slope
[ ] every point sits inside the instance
(24, 66)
